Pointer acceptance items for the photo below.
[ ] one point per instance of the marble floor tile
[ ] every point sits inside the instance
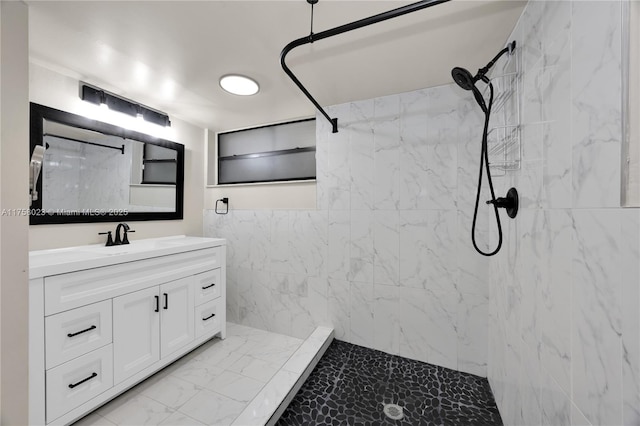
(221, 358)
(180, 419)
(172, 391)
(254, 368)
(272, 354)
(211, 408)
(136, 410)
(236, 386)
(197, 372)
(279, 340)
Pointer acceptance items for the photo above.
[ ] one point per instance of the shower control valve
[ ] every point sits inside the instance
(510, 202)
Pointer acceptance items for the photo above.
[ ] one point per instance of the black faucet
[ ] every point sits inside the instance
(124, 239)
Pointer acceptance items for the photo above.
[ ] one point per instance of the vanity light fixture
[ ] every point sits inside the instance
(117, 103)
(237, 84)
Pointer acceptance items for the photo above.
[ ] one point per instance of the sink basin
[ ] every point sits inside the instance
(135, 247)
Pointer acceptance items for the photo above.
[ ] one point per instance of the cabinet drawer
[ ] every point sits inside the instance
(208, 318)
(76, 382)
(207, 286)
(77, 332)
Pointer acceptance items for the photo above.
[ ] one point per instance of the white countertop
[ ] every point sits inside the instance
(59, 261)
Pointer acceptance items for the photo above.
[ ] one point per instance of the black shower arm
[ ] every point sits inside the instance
(343, 29)
(482, 71)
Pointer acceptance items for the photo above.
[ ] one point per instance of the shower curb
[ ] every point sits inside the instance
(269, 404)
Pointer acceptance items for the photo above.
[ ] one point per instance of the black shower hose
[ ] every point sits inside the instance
(484, 161)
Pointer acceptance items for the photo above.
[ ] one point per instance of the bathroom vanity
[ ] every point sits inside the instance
(102, 319)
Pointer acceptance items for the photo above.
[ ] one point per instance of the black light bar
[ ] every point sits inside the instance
(114, 102)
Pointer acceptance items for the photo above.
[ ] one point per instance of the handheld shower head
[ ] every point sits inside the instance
(463, 78)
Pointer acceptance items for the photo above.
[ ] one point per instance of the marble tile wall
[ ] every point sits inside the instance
(386, 258)
(564, 327)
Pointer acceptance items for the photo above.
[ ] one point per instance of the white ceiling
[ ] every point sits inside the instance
(170, 54)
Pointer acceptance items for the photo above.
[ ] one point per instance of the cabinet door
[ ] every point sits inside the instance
(136, 332)
(176, 319)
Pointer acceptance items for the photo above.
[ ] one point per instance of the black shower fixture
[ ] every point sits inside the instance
(467, 81)
(463, 78)
(510, 203)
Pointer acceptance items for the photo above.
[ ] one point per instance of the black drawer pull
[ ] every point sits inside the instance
(209, 286)
(73, 385)
(209, 317)
(93, 327)
(157, 304)
(166, 301)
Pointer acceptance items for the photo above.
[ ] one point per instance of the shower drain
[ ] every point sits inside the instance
(393, 411)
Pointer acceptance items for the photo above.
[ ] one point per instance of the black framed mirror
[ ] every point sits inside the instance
(97, 172)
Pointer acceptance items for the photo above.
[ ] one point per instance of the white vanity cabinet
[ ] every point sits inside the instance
(102, 318)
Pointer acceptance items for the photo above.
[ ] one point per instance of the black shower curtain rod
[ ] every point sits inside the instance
(343, 29)
(121, 149)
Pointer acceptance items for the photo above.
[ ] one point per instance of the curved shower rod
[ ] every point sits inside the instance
(343, 29)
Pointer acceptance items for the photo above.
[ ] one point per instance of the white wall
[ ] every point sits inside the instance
(14, 190)
(564, 327)
(385, 257)
(56, 90)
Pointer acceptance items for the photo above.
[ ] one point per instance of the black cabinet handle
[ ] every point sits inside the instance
(93, 327)
(166, 301)
(157, 304)
(209, 317)
(73, 385)
(209, 286)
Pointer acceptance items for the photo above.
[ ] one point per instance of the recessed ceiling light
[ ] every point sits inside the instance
(239, 85)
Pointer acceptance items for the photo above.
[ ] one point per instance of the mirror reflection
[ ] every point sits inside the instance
(88, 170)
(91, 167)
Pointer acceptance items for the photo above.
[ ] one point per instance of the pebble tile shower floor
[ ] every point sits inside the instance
(351, 384)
